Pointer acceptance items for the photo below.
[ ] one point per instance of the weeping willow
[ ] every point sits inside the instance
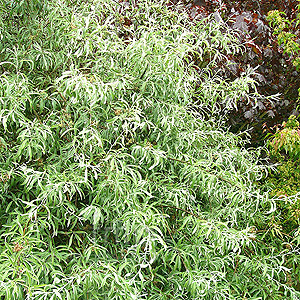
(119, 178)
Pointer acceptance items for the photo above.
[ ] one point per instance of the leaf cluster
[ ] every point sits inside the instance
(286, 32)
(118, 178)
(283, 145)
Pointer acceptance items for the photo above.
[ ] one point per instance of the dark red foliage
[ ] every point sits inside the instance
(275, 72)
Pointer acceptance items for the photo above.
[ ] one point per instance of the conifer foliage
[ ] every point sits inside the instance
(118, 177)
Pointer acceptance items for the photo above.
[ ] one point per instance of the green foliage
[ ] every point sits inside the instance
(285, 183)
(287, 178)
(284, 147)
(118, 179)
(286, 38)
(287, 139)
(285, 30)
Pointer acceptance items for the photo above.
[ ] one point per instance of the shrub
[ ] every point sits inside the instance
(286, 31)
(287, 139)
(118, 177)
(284, 149)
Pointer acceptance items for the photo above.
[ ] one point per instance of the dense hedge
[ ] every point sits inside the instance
(119, 179)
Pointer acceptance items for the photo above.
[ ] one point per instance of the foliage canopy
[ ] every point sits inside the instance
(284, 28)
(118, 177)
(286, 31)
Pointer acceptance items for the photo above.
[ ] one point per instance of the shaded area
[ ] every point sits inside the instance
(275, 71)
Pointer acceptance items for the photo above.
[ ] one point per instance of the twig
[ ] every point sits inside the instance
(178, 208)
(62, 96)
(169, 231)
(266, 291)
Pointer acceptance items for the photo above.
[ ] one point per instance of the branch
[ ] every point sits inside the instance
(218, 176)
(178, 208)
(169, 231)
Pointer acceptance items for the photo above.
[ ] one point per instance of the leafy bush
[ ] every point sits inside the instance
(284, 147)
(287, 139)
(118, 179)
(286, 38)
(286, 31)
(285, 183)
